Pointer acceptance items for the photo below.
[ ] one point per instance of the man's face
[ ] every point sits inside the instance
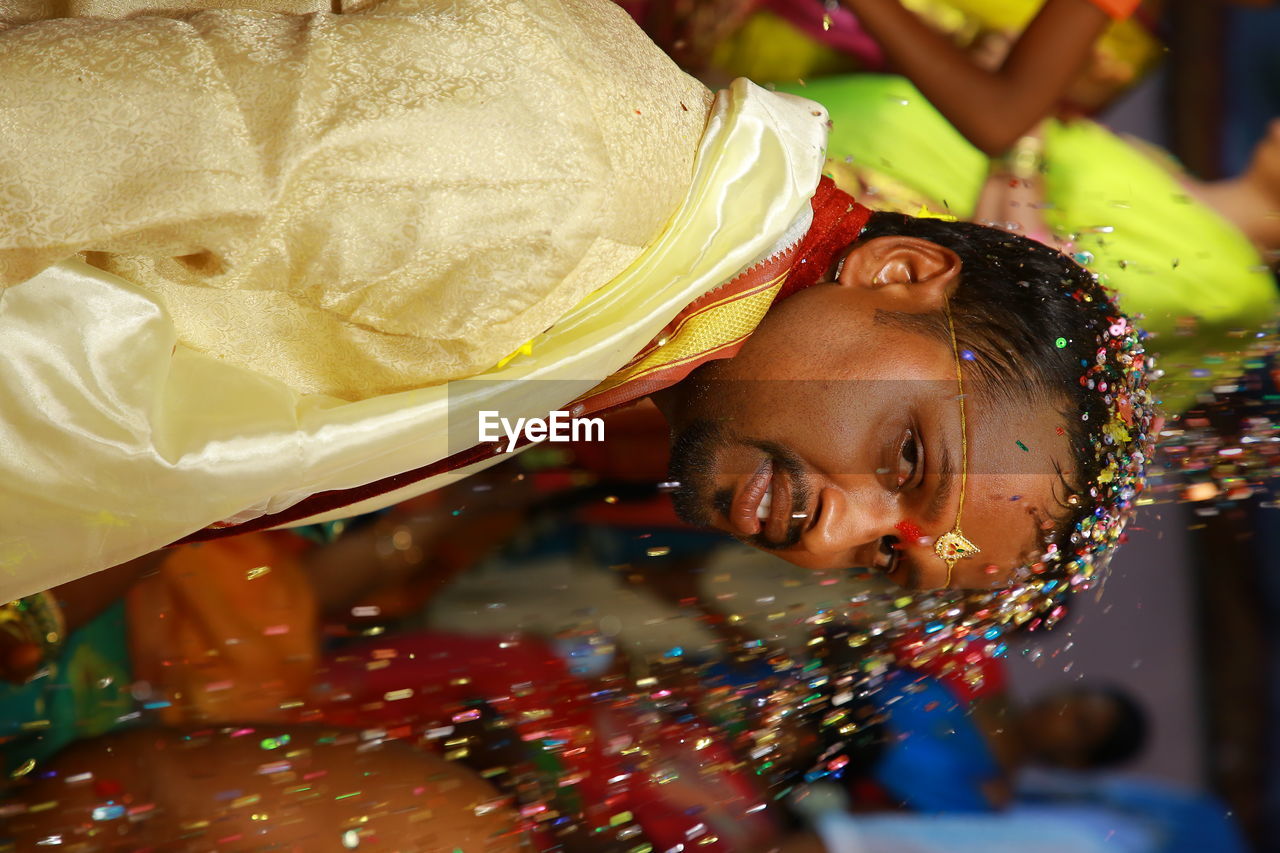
(833, 438)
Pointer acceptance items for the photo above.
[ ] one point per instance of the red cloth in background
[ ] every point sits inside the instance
(680, 777)
(970, 672)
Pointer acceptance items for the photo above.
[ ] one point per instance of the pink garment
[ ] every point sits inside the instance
(845, 32)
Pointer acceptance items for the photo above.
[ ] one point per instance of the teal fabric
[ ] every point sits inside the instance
(85, 693)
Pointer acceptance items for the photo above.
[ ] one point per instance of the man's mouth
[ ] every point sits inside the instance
(764, 508)
(753, 504)
(762, 511)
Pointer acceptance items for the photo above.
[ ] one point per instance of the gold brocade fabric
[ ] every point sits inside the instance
(351, 204)
(715, 327)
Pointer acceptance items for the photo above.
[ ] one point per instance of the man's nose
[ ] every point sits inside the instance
(853, 517)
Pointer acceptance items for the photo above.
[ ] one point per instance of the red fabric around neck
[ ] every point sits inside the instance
(837, 222)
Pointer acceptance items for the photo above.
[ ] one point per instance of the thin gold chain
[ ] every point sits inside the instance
(964, 432)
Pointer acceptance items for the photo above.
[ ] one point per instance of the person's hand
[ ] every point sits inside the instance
(1013, 196)
(1007, 203)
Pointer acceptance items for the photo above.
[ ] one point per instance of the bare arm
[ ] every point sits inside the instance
(991, 108)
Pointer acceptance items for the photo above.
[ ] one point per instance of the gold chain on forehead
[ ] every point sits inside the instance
(952, 546)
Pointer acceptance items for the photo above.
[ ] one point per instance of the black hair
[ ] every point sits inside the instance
(1127, 736)
(1031, 316)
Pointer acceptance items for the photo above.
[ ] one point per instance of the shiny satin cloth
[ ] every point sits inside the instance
(124, 425)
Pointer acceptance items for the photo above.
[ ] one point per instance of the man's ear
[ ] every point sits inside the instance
(916, 273)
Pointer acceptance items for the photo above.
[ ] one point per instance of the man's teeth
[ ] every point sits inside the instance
(762, 511)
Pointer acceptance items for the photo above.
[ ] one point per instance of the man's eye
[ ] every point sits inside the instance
(908, 459)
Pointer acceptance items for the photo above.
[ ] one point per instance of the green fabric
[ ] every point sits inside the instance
(1171, 260)
(766, 47)
(84, 695)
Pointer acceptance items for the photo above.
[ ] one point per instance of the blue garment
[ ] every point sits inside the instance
(1177, 820)
(1187, 822)
(1048, 830)
(936, 760)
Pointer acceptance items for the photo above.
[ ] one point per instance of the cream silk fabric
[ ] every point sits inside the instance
(308, 216)
(315, 196)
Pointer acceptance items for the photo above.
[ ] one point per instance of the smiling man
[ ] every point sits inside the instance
(854, 429)
(275, 271)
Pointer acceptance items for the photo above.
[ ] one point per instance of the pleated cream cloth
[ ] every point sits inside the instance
(294, 228)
